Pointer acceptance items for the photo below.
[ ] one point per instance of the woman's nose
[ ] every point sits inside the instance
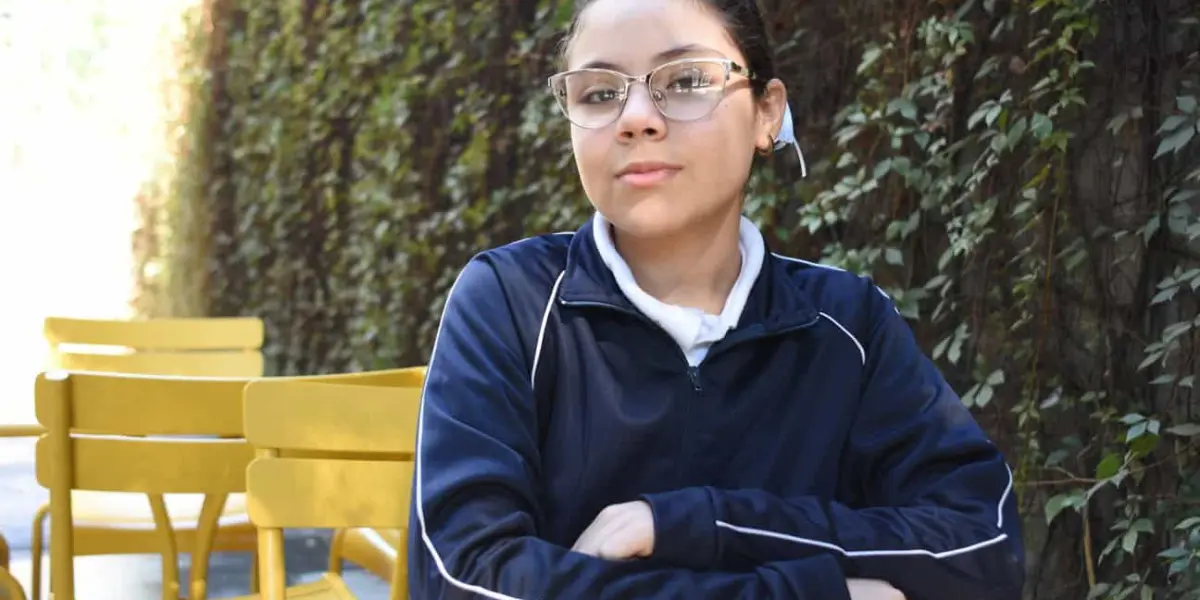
(640, 117)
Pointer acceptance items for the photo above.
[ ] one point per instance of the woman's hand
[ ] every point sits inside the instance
(619, 532)
(872, 589)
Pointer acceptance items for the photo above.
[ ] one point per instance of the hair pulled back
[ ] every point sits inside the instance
(742, 20)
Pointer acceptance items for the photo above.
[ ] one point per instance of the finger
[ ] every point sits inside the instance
(611, 534)
(589, 540)
(622, 540)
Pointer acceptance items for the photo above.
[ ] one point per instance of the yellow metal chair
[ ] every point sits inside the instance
(328, 455)
(374, 549)
(123, 523)
(136, 434)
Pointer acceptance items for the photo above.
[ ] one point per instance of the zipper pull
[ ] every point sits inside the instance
(694, 375)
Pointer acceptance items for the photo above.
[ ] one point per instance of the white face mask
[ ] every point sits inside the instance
(787, 136)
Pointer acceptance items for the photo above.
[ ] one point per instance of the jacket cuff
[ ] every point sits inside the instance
(685, 528)
(824, 579)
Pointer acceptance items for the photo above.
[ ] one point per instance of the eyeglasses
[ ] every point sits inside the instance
(682, 90)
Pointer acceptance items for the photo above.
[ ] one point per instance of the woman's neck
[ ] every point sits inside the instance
(696, 268)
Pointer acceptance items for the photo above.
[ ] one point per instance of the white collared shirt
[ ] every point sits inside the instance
(693, 329)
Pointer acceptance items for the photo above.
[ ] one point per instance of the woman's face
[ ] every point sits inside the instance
(650, 176)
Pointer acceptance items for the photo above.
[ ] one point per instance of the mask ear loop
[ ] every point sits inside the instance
(787, 136)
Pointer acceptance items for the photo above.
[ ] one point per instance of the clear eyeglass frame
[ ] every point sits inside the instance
(556, 85)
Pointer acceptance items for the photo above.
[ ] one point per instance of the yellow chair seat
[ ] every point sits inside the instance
(373, 549)
(328, 587)
(132, 511)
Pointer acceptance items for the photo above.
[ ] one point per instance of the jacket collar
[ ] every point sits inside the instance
(776, 302)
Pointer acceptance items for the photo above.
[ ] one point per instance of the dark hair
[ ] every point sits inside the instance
(745, 25)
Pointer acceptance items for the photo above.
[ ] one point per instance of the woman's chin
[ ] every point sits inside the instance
(652, 216)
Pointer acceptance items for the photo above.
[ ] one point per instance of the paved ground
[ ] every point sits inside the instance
(138, 577)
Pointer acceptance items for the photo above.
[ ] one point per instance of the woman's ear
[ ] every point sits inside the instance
(771, 109)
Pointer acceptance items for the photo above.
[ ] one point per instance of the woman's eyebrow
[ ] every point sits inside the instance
(665, 55)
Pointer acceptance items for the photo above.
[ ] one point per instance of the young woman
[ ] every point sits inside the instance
(656, 406)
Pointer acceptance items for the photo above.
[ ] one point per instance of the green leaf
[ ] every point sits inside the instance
(1132, 418)
(1164, 296)
(940, 349)
(1142, 525)
(1188, 523)
(1057, 457)
(985, 396)
(1055, 505)
(1041, 126)
(1146, 593)
(905, 107)
(1186, 104)
(869, 56)
(1129, 541)
(1136, 431)
(1185, 430)
(996, 377)
(1108, 467)
(1171, 123)
(1179, 566)
(1176, 141)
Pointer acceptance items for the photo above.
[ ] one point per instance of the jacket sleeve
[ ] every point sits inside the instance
(936, 515)
(476, 514)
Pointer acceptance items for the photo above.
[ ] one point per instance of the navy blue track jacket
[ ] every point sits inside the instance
(814, 443)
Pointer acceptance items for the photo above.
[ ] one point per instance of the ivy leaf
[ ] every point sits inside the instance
(1185, 430)
(1055, 505)
(1176, 141)
(893, 256)
(1188, 523)
(904, 106)
(984, 396)
(869, 56)
(1041, 126)
(1132, 418)
(1108, 467)
(1164, 296)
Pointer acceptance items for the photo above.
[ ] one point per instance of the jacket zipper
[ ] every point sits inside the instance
(693, 371)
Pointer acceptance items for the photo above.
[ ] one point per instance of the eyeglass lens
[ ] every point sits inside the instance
(683, 92)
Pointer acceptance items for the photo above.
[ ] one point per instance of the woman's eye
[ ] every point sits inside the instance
(599, 95)
(684, 82)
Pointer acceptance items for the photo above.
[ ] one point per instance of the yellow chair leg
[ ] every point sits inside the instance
(335, 551)
(254, 581)
(39, 524)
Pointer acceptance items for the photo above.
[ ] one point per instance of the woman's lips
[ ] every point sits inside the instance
(643, 175)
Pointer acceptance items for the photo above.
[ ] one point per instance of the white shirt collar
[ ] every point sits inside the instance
(692, 329)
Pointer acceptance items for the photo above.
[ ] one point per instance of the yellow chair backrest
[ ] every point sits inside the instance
(203, 347)
(329, 455)
(145, 434)
(407, 377)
